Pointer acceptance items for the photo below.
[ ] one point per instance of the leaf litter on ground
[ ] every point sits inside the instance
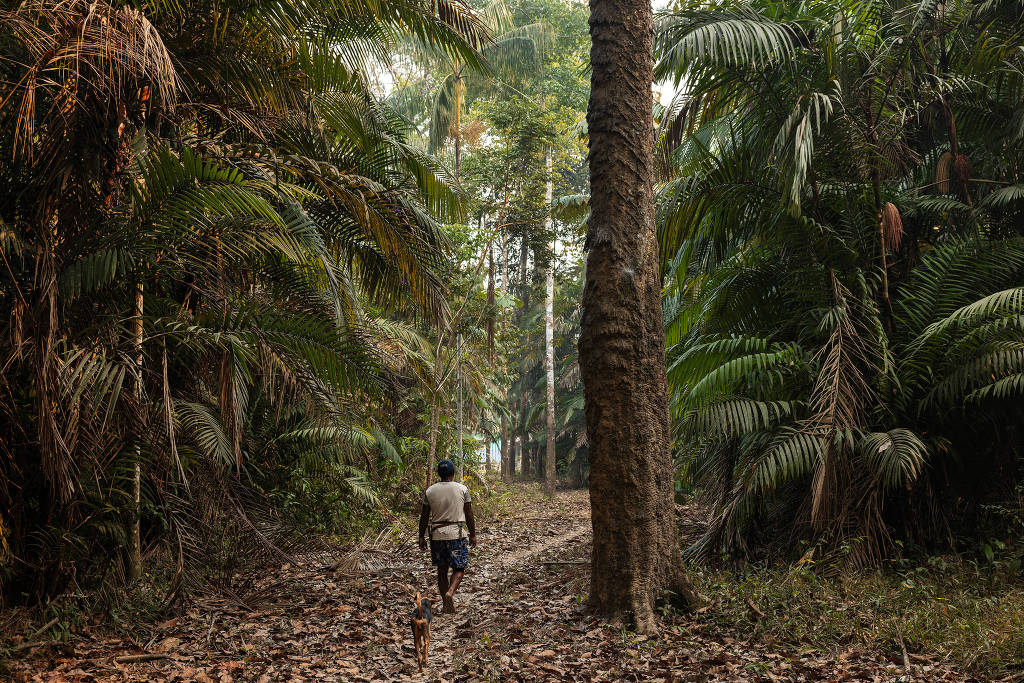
(346, 618)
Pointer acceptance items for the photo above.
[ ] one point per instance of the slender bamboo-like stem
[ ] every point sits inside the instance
(134, 533)
(876, 188)
(549, 347)
(458, 386)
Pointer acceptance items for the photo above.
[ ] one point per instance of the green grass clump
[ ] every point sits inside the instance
(964, 612)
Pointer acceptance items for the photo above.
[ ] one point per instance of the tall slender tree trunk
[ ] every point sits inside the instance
(517, 455)
(435, 410)
(134, 532)
(635, 557)
(876, 188)
(458, 127)
(435, 413)
(505, 473)
(504, 261)
(549, 345)
(459, 470)
(492, 311)
(524, 392)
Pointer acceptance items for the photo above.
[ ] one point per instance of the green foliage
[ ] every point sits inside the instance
(217, 267)
(969, 613)
(842, 299)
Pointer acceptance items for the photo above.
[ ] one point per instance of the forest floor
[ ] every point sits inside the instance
(520, 617)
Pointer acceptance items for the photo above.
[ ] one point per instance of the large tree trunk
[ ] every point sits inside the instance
(622, 342)
(549, 346)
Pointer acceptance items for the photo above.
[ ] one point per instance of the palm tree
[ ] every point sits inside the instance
(260, 197)
(843, 264)
(621, 344)
(510, 55)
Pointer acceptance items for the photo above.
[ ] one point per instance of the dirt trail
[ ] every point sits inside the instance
(518, 619)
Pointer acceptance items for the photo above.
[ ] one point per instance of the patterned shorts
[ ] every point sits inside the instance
(454, 554)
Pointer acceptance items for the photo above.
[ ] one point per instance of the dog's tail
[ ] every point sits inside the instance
(419, 606)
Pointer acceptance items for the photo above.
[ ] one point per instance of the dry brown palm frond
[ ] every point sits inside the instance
(570, 378)
(473, 133)
(892, 227)
(898, 158)
(82, 53)
(230, 535)
(231, 408)
(839, 402)
(371, 553)
(962, 169)
(943, 172)
(465, 20)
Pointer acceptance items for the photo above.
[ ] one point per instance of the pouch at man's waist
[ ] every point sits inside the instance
(442, 530)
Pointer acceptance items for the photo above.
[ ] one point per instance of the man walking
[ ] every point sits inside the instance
(449, 513)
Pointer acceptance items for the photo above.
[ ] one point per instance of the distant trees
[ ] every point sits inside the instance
(514, 119)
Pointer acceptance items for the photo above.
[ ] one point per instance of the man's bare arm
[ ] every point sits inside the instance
(470, 523)
(424, 520)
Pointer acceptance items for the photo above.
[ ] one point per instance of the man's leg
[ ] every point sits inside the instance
(459, 561)
(442, 579)
(456, 580)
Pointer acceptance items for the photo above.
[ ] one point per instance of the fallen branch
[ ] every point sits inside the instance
(42, 628)
(29, 643)
(145, 657)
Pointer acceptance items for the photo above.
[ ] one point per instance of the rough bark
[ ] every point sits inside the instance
(549, 347)
(635, 557)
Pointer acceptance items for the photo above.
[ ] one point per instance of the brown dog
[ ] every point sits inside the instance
(421, 617)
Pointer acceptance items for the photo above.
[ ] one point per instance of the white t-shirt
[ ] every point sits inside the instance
(446, 500)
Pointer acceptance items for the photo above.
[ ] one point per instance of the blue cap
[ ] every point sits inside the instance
(446, 468)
